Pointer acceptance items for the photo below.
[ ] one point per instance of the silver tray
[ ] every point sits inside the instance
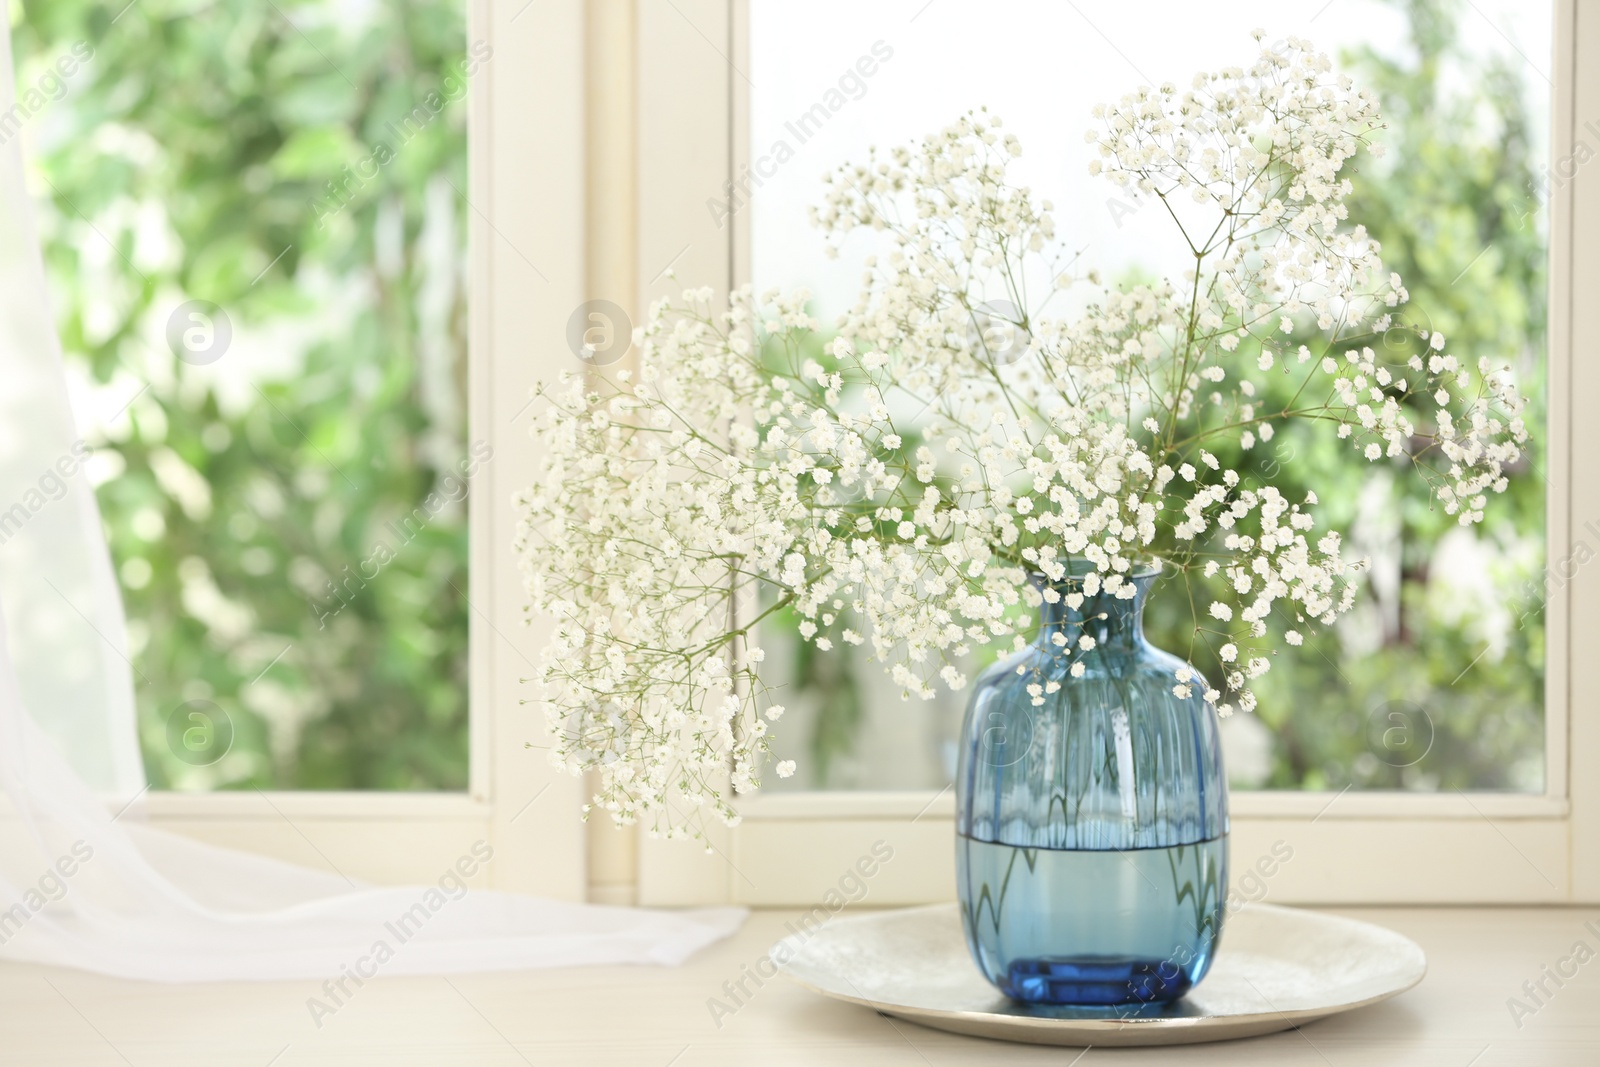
(1275, 968)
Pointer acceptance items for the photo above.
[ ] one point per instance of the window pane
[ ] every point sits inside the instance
(255, 243)
(1435, 681)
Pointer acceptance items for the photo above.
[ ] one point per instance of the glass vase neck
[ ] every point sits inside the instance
(1113, 620)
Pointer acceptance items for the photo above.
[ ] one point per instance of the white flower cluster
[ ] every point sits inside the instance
(648, 518)
(893, 486)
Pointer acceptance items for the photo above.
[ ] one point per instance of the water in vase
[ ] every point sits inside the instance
(1092, 926)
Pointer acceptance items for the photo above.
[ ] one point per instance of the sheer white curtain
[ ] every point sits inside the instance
(81, 887)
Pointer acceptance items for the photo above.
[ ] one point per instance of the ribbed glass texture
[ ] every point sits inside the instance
(1092, 828)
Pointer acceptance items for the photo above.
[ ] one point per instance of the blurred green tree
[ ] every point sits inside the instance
(297, 165)
(1436, 681)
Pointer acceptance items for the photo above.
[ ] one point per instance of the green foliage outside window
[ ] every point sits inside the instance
(288, 521)
(1437, 683)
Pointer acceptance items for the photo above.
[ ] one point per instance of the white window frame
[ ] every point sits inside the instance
(1354, 847)
(527, 98)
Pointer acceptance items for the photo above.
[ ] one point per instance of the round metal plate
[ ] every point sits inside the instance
(1275, 968)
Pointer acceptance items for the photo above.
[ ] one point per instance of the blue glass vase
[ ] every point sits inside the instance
(1091, 829)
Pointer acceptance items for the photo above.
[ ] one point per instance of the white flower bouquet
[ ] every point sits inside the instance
(987, 410)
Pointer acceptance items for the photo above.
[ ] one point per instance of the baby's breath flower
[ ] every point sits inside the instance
(751, 466)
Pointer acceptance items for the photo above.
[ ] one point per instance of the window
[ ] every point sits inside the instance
(1447, 618)
(258, 248)
(261, 225)
(1432, 736)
